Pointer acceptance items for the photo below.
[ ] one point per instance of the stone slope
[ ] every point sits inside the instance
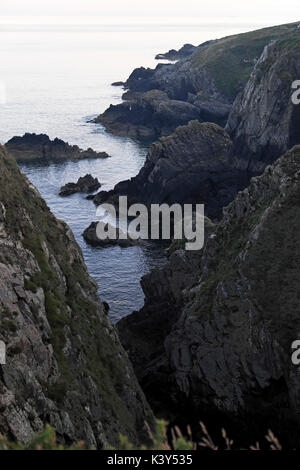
(232, 314)
(264, 122)
(65, 365)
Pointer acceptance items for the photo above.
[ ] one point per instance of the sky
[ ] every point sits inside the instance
(94, 11)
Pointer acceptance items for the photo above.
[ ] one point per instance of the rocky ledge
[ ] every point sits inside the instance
(39, 146)
(85, 184)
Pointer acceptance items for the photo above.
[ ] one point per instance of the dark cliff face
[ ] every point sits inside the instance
(264, 122)
(65, 365)
(192, 165)
(202, 86)
(232, 313)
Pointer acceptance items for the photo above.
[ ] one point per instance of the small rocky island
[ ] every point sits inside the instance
(91, 237)
(40, 146)
(85, 184)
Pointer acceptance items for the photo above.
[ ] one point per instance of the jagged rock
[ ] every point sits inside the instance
(65, 365)
(209, 80)
(264, 122)
(184, 51)
(85, 184)
(36, 146)
(146, 116)
(192, 165)
(91, 237)
(220, 347)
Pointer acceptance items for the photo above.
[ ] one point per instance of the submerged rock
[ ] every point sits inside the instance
(118, 84)
(85, 184)
(39, 146)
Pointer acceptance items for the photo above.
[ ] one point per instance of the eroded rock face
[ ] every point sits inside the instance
(264, 122)
(65, 365)
(85, 184)
(192, 165)
(39, 146)
(231, 316)
(147, 116)
(202, 86)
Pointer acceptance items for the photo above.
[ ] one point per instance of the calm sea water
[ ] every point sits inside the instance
(55, 82)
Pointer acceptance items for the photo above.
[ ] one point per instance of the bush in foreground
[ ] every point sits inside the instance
(46, 440)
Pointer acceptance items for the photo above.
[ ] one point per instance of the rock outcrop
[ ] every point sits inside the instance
(85, 184)
(192, 165)
(147, 116)
(185, 51)
(64, 365)
(220, 347)
(39, 146)
(121, 239)
(264, 122)
(206, 84)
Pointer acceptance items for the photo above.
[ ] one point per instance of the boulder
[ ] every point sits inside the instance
(85, 184)
(91, 237)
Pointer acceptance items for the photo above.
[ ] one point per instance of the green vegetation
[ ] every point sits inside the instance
(46, 440)
(230, 60)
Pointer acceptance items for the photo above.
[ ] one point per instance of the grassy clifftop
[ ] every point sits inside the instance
(230, 60)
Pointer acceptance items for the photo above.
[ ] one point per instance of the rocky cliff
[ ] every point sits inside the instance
(220, 347)
(205, 84)
(65, 365)
(264, 122)
(185, 51)
(40, 146)
(192, 165)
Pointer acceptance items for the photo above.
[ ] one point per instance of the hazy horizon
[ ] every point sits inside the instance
(167, 12)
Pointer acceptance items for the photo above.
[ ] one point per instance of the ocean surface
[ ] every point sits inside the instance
(54, 82)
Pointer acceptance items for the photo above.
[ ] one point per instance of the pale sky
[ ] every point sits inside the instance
(256, 11)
